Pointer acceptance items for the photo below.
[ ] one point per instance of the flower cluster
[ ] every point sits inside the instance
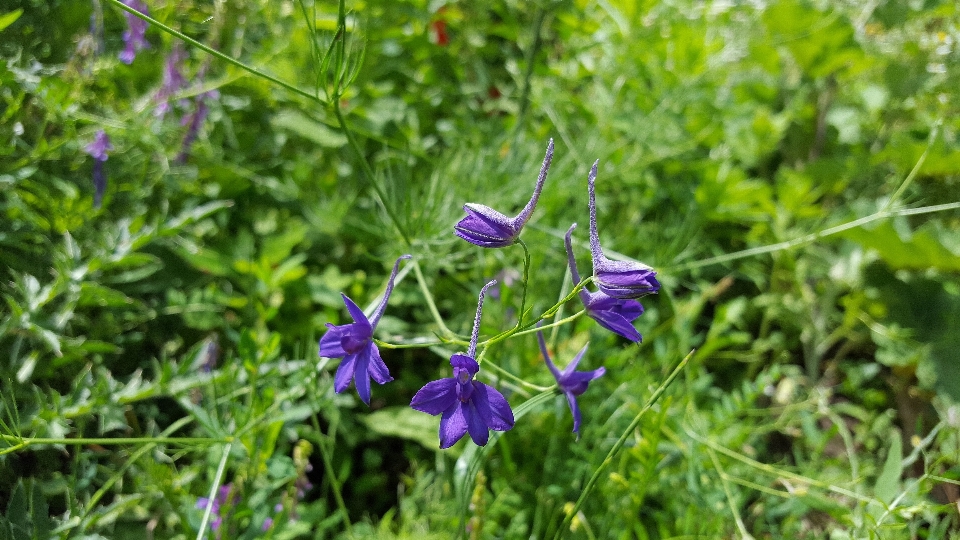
(135, 36)
(466, 405)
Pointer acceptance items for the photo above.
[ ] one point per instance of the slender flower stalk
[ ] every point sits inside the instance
(571, 382)
(354, 343)
(614, 314)
(619, 279)
(465, 405)
(485, 227)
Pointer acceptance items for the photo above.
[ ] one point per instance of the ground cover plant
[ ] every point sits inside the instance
(638, 269)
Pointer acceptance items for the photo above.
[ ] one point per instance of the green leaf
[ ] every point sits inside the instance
(17, 511)
(405, 423)
(9, 18)
(922, 249)
(39, 514)
(307, 128)
(888, 483)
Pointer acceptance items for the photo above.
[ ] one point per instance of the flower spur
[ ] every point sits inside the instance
(619, 279)
(485, 227)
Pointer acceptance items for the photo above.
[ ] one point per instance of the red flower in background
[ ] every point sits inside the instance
(438, 29)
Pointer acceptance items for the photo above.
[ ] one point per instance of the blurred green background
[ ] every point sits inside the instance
(735, 139)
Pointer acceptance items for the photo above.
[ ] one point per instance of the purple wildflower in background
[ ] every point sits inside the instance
(222, 499)
(572, 383)
(466, 405)
(98, 150)
(194, 121)
(619, 279)
(135, 36)
(173, 80)
(354, 343)
(614, 314)
(486, 227)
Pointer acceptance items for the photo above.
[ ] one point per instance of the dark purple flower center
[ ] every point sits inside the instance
(352, 344)
(464, 384)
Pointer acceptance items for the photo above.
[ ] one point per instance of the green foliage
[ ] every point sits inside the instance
(791, 169)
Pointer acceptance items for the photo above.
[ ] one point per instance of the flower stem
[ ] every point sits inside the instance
(526, 283)
(207, 49)
(213, 490)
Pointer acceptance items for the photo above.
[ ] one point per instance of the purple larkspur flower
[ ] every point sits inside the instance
(135, 36)
(614, 314)
(619, 279)
(98, 150)
(571, 382)
(486, 227)
(465, 405)
(354, 343)
(173, 80)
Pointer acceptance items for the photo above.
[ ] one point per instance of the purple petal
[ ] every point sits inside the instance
(344, 373)
(463, 361)
(486, 222)
(617, 324)
(492, 407)
(476, 423)
(377, 313)
(573, 363)
(453, 425)
(362, 375)
(482, 241)
(546, 356)
(376, 368)
(576, 383)
(330, 343)
(575, 410)
(436, 397)
(358, 316)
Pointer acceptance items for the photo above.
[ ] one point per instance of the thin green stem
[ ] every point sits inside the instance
(328, 461)
(807, 239)
(429, 299)
(534, 330)
(408, 345)
(518, 380)
(106, 441)
(228, 59)
(526, 282)
(737, 518)
(367, 171)
(916, 168)
(218, 478)
(591, 483)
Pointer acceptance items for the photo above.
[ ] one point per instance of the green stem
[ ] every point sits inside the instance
(213, 490)
(328, 461)
(619, 445)
(367, 171)
(518, 380)
(526, 282)
(571, 318)
(916, 168)
(429, 298)
(796, 242)
(23, 442)
(228, 59)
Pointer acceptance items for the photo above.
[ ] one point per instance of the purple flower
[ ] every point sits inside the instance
(173, 80)
(220, 500)
(619, 279)
(613, 314)
(485, 227)
(194, 121)
(572, 383)
(98, 151)
(354, 343)
(465, 405)
(134, 38)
